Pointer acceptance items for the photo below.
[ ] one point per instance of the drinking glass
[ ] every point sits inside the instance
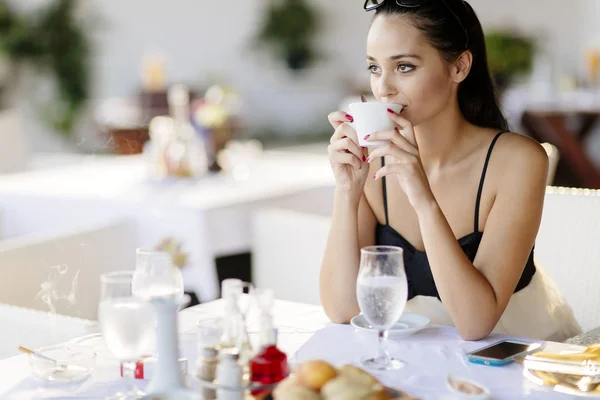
(156, 276)
(381, 291)
(127, 324)
(239, 299)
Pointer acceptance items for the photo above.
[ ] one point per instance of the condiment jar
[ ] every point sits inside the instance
(229, 377)
(207, 370)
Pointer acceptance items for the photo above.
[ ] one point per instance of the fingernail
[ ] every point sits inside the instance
(349, 118)
(397, 129)
(390, 111)
(363, 147)
(374, 176)
(367, 137)
(369, 159)
(364, 158)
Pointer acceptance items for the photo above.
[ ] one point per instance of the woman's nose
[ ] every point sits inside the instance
(386, 88)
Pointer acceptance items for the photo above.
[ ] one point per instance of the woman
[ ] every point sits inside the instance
(426, 188)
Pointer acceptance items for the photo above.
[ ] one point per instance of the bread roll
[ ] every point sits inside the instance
(315, 374)
(357, 375)
(291, 389)
(344, 388)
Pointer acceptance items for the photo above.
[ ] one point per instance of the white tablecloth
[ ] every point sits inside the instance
(430, 356)
(297, 323)
(306, 334)
(35, 329)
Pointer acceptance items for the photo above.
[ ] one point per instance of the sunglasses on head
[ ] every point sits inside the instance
(374, 4)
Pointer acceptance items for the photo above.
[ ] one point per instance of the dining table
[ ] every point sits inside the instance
(304, 333)
(27, 327)
(551, 125)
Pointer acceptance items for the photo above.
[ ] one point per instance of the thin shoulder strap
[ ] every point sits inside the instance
(485, 166)
(385, 202)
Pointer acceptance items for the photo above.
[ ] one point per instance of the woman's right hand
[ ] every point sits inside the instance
(347, 158)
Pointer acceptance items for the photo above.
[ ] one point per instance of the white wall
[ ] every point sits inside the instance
(557, 25)
(590, 14)
(202, 38)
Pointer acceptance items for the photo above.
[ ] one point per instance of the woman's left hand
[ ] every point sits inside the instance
(405, 163)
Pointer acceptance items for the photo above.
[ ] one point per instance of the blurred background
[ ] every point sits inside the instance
(199, 127)
(287, 75)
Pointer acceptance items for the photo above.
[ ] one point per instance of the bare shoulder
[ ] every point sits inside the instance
(521, 157)
(521, 145)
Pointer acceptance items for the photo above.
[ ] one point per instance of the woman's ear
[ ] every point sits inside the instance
(462, 66)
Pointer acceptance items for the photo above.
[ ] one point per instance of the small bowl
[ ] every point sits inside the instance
(483, 395)
(63, 363)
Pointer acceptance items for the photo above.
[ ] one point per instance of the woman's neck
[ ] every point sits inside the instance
(440, 138)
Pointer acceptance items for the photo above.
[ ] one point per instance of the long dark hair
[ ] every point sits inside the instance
(476, 94)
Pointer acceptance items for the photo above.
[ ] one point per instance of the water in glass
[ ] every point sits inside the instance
(381, 292)
(127, 325)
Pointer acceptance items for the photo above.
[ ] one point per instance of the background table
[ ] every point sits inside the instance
(551, 126)
(211, 215)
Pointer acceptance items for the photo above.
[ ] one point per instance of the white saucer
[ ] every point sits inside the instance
(408, 324)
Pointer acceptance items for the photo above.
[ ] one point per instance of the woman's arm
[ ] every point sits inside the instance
(476, 294)
(352, 227)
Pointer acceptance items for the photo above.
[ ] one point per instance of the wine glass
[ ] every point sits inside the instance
(156, 276)
(382, 291)
(127, 324)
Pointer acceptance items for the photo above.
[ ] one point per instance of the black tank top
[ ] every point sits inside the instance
(418, 271)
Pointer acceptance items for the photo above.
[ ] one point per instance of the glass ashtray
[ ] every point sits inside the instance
(63, 363)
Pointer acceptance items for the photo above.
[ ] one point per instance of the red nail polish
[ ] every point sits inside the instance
(390, 111)
(374, 176)
(349, 118)
(364, 158)
(367, 137)
(397, 129)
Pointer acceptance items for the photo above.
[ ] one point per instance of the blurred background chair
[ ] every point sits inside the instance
(567, 247)
(39, 270)
(554, 158)
(288, 241)
(288, 251)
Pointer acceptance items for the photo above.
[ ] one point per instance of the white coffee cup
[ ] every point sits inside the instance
(371, 117)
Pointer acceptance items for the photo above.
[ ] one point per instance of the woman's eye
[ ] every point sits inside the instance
(374, 69)
(405, 68)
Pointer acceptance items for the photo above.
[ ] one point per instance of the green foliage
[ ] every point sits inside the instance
(51, 40)
(289, 28)
(509, 54)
